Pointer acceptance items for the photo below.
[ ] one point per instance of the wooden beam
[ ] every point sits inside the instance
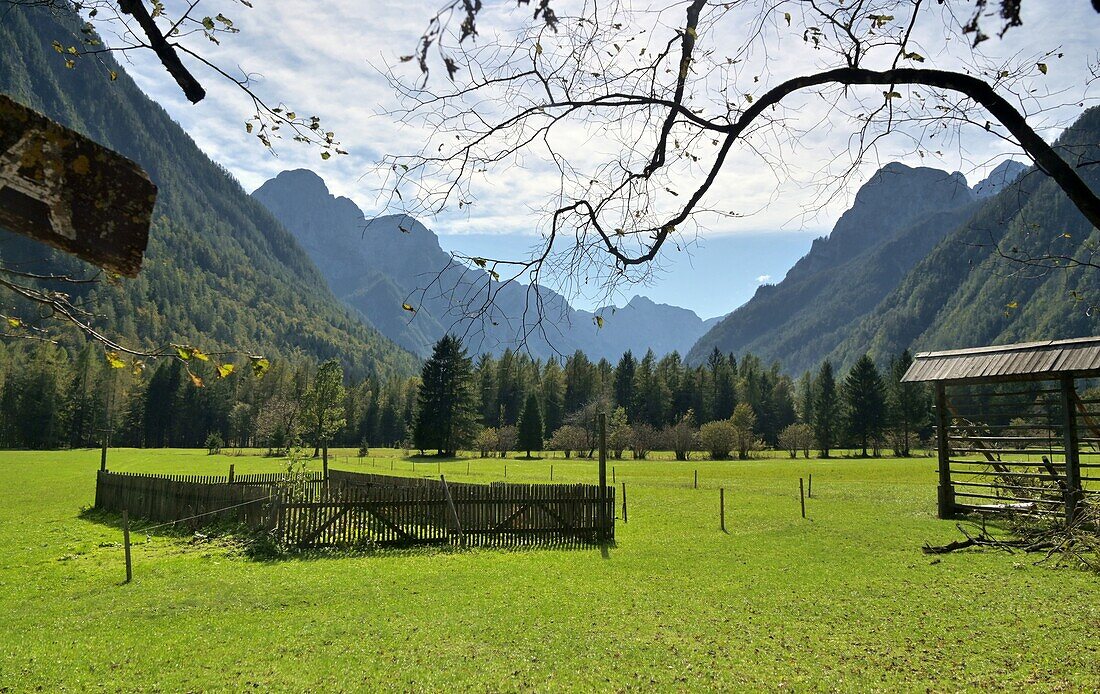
(1073, 459)
(945, 493)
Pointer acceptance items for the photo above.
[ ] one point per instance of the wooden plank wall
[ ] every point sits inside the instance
(193, 499)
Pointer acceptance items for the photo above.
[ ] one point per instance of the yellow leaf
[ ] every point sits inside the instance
(15, 323)
(599, 321)
(199, 354)
(1042, 68)
(787, 16)
(260, 365)
(538, 48)
(195, 380)
(1012, 304)
(408, 308)
(115, 361)
(225, 369)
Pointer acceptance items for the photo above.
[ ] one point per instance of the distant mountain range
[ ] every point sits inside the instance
(913, 264)
(382, 265)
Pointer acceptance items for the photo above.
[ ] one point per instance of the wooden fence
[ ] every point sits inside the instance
(356, 509)
(193, 499)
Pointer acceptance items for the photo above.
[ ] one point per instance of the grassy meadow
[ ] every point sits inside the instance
(844, 600)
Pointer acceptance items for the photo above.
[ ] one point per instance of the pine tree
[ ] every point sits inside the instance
(624, 381)
(446, 416)
(865, 402)
(826, 409)
(909, 403)
(553, 398)
(530, 426)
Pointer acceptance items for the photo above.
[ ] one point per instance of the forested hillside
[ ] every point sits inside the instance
(220, 271)
(964, 294)
(897, 218)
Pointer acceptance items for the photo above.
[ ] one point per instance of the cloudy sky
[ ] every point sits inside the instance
(324, 59)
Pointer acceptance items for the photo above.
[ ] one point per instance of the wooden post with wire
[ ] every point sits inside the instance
(802, 496)
(602, 513)
(551, 473)
(231, 475)
(696, 479)
(810, 486)
(722, 507)
(324, 460)
(126, 544)
(103, 455)
(624, 502)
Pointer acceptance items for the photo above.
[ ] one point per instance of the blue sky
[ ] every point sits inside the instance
(325, 64)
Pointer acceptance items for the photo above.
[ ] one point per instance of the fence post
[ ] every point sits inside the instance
(126, 544)
(722, 507)
(324, 459)
(696, 479)
(602, 514)
(551, 473)
(103, 455)
(624, 502)
(810, 486)
(231, 476)
(612, 474)
(802, 497)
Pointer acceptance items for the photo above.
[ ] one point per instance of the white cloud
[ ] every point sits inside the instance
(763, 279)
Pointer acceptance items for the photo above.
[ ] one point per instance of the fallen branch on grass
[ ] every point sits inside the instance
(1077, 544)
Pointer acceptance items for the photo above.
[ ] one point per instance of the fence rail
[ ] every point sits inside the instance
(362, 509)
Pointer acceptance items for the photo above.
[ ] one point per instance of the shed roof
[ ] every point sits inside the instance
(1026, 361)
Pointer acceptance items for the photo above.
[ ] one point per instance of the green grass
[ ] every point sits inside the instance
(844, 600)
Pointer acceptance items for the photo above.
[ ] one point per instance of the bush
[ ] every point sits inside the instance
(364, 449)
(568, 439)
(487, 442)
(744, 421)
(681, 438)
(214, 443)
(643, 439)
(797, 437)
(719, 438)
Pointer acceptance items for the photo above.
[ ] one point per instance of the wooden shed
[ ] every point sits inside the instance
(1016, 431)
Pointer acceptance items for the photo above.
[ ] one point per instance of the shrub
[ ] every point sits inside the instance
(681, 438)
(643, 439)
(214, 443)
(719, 438)
(569, 438)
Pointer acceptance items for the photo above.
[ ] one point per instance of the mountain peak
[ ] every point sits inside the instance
(999, 178)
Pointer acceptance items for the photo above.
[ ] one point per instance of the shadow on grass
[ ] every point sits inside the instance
(261, 546)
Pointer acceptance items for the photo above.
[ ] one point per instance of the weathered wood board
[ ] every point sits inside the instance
(62, 188)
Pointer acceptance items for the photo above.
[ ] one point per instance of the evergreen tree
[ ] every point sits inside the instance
(553, 398)
(446, 416)
(624, 381)
(530, 426)
(826, 410)
(909, 404)
(865, 402)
